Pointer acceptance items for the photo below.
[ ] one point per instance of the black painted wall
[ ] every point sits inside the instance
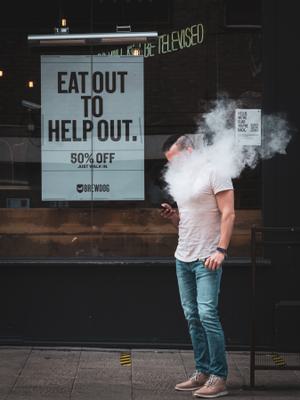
(281, 90)
(106, 304)
(280, 175)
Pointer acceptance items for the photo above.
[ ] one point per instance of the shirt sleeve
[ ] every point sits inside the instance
(220, 182)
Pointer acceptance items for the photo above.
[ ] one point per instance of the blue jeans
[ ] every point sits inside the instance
(199, 289)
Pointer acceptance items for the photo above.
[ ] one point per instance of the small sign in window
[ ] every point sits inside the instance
(248, 127)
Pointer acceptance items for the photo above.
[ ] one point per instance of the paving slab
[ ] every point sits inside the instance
(101, 360)
(36, 396)
(46, 374)
(102, 391)
(101, 376)
(12, 361)
(143, 394)
(157, 371)
(297, 375)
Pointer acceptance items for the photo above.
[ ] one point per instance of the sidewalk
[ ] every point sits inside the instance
(37, 373)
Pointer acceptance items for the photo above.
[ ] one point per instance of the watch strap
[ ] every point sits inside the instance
(222, 250)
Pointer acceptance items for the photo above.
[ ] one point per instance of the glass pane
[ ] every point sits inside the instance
(81, 127)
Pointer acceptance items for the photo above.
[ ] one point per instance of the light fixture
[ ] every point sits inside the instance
(1, 73)
(30, 84)
(123, 28)
(136, 51)
(63, 29)
(30, 105)
(87, 39)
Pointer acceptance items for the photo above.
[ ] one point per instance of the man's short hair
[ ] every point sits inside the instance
(183, 141)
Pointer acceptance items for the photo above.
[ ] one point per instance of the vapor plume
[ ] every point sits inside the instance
(215, 147)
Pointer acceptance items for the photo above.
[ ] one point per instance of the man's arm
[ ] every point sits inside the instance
(225, 202)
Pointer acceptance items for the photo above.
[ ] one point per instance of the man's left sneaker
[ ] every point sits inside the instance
(215, 386)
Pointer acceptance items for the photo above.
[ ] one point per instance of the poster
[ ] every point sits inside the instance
(248, 127)
(92, 128)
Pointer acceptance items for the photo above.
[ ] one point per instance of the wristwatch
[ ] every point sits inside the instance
(222, 250)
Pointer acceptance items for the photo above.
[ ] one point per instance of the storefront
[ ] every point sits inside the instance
(86, 257)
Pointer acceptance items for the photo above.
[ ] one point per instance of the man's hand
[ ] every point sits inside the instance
(214, 261)
(169, 213)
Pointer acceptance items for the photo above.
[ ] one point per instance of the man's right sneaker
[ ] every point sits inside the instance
(194, 382)
(215, 386)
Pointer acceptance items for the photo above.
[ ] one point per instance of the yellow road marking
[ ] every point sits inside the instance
(278, 360)
(125, 359)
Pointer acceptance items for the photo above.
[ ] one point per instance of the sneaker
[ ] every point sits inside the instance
(215, 386)
(194, 382)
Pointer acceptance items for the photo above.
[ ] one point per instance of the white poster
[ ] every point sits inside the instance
(92, 128)
(248, 127)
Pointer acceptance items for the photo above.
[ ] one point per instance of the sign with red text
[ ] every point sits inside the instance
(92, 128)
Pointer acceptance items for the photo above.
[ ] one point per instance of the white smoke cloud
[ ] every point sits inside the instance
(216, 147)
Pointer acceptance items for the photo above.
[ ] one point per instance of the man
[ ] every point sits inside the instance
(204, 232)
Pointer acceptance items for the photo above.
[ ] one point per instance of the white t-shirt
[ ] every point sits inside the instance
(200, 219)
